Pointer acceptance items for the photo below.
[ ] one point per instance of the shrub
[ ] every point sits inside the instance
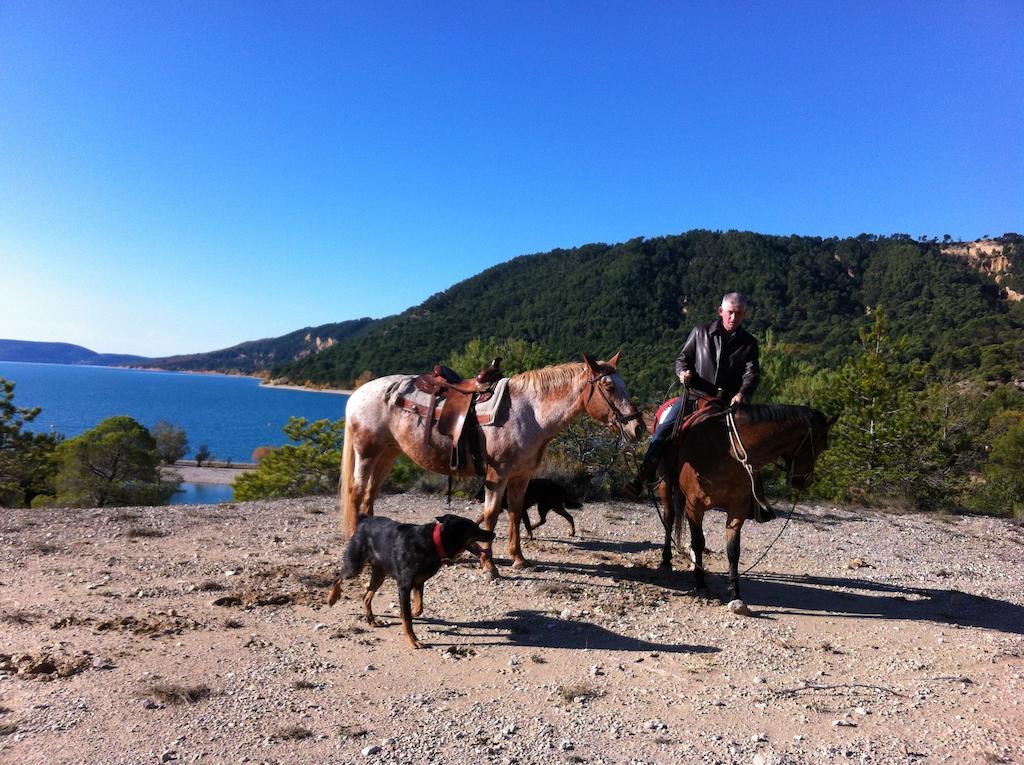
(309, 466)
(114, 463)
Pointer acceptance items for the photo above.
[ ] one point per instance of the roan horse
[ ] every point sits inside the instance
(542, 402)
(707, 469)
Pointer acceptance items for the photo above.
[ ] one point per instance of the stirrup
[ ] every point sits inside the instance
(638, 489)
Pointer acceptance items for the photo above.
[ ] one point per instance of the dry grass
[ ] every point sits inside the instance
(292, 733)
(171, 693)
(558, 588)
(571, 693)
(43, 548)
(136, 532)
(19, 617)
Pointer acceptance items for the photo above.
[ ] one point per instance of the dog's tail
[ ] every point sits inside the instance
(347, 506)
(352, 564)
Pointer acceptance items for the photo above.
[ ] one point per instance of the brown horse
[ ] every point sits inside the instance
(708, 470)
(542, 402)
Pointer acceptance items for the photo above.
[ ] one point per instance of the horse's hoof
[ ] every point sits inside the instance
(702, 593)
(665, 565)
(521, 563)
(738, 607)
(492, 573)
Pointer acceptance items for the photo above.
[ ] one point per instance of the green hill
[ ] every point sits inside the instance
(642, 296)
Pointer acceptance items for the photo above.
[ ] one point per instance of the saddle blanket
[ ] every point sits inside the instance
(403, 393)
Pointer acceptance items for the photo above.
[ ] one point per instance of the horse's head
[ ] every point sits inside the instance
(800, 463)
(607, 400)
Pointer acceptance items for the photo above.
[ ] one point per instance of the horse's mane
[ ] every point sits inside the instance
(755, 414)
(546, 379)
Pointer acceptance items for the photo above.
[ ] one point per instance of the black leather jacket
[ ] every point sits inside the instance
(720, 361)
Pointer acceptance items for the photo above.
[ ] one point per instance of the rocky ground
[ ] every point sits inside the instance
(200, 634)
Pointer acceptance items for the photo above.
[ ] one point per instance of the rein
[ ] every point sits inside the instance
(742, 457)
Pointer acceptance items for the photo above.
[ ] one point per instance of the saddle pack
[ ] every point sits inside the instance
(452, 403)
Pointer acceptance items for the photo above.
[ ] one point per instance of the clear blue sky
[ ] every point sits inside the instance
(178, 177)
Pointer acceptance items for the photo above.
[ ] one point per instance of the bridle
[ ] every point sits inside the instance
(620, 419)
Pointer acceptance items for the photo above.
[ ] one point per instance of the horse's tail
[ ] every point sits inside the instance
(678, 530)
(347, 506)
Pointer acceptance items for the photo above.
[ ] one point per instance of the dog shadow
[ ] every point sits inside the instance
(539, 629)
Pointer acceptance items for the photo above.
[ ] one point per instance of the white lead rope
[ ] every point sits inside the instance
(741, 456)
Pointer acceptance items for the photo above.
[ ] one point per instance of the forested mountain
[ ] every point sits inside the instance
(642, 297)
(62, 353)
(256, 356)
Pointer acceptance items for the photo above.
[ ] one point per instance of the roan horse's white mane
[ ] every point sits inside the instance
(547, 379)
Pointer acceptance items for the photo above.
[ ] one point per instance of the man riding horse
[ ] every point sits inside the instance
(718, 359)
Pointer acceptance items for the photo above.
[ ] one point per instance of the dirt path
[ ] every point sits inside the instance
(200, 634)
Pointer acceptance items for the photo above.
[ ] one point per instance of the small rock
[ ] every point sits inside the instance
(654, 725)
(168, 756)
(596, 670)
(369, 750)
(843, 724)
(567, 745)
(738, 607)
(759, 738)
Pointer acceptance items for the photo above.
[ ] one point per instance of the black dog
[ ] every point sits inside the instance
(548, 496)
(409, 554)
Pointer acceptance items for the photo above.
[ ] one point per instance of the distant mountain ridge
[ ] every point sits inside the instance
(957, 305)
(255, 357)
(959, 312)
(63, 353)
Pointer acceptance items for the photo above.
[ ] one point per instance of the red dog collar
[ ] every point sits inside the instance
(437, 542)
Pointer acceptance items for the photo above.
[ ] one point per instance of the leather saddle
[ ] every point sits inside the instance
(460, 398)
(704, 408)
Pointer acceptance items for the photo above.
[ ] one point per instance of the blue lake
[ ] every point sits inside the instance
(231, 415)
(203, 494)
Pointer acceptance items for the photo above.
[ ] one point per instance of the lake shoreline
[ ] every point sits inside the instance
(206, 474)
(305, 388)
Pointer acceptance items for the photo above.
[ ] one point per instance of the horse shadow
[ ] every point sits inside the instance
(863, 598)
(772, 595)
(538, 629)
